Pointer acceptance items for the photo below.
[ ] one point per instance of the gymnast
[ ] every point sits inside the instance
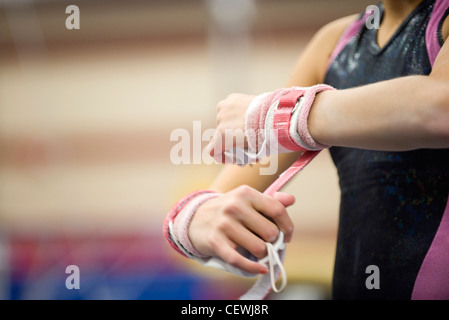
(379, 100)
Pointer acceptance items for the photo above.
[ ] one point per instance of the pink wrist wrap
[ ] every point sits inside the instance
(279, 119)
(177, 221)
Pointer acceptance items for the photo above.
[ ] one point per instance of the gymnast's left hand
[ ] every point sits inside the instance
(230, 130)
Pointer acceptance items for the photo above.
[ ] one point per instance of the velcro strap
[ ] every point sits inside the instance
(282, 119)
(290, 99)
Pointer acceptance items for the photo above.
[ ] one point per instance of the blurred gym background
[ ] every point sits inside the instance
(85, 122)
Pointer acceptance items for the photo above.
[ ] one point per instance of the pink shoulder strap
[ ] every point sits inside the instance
(432, 43)
(350, 32)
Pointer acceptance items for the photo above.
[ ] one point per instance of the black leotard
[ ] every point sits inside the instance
(392, 203)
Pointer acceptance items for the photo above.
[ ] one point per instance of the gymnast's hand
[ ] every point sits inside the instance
(241, 217)
(230, 123)
(268, 124)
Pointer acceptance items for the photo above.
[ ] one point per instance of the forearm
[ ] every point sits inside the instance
(401, 114)
(232, 176)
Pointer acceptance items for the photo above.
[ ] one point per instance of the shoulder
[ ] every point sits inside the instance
(335, 29)
(326, 39)
(312, 64)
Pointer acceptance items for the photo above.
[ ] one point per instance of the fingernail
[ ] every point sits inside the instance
(264, 271)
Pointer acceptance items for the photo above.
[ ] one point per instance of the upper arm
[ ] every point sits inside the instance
(445, 28)
(438, 80)
(441, 66)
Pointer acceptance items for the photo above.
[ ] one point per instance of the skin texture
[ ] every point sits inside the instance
(401, 114)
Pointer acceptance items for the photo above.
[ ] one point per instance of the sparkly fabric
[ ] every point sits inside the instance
(391, 202)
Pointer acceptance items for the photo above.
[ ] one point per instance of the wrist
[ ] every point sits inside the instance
(177, 222)
(317, 118)
(195, 232)
(256, 116)
(291, 119)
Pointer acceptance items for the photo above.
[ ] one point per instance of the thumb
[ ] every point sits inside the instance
(285, 198)
(214, 147)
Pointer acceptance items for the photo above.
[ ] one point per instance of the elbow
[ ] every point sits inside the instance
(442, 106)
(438, 116)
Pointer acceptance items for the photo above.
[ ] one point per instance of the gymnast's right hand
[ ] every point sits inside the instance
(242, 217)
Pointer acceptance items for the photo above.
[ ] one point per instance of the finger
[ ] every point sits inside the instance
(210, 147)
(276, 211)
(214, 147)
(285, 198)
(245, 238)
(258, 223)
(226, 250)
